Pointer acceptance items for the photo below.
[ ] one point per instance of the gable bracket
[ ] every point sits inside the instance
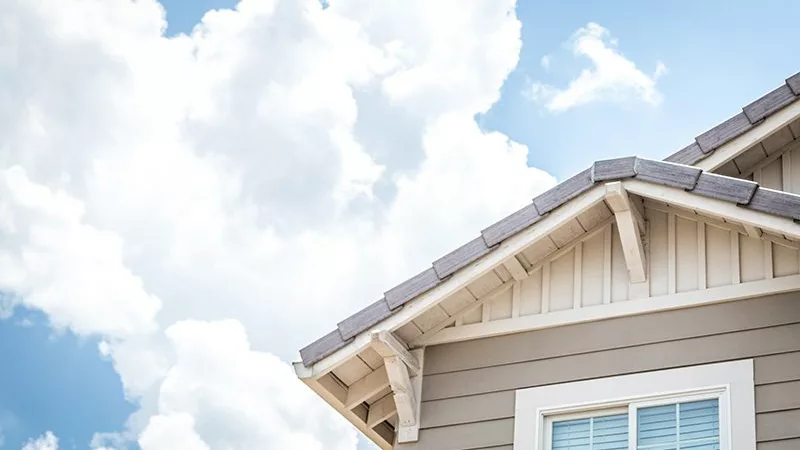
(631, 226)
(404, 370)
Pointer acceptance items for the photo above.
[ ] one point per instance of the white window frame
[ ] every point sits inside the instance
(731, 382)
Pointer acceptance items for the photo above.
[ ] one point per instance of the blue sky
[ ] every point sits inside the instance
(719, 56)
(55, 381)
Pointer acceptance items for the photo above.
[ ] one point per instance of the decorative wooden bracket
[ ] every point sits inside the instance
(404, 370)
(630, 222)
(515, 268)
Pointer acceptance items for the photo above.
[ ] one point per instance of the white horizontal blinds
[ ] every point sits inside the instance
(610, 432)
(699, 425)
(684, 426)
(594, 433)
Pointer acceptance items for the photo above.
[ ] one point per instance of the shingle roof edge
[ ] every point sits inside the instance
(751, 115)
(742, 192)
(674, 171)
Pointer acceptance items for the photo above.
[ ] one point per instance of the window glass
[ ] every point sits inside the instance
(684, 426)
(593, 433)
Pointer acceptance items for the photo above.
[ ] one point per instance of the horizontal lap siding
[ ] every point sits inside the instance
(787, 444)
(469, 387)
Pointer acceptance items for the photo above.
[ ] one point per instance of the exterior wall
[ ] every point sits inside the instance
(469, 387)
(685, 252)
(782, 174)
(773, 163)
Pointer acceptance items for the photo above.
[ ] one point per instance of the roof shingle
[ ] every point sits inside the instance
(675, 172)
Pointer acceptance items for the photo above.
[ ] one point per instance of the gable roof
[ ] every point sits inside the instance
(675, 172)
(751, 116)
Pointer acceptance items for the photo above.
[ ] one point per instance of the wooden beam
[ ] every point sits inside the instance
(400, 380)
(367, 387)
(515, 269)
(459, 315)
(387, 345)
(793, 245)
(630, 224)
(720, 208)
(408, 397)
(786, 149)
(333, 396)
(381, 410)
(691, 215)
(618, 199)
(753, 232)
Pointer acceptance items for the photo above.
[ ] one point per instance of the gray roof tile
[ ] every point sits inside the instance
(511, 224)
(759, 109)
(769, 104)
(460, 257)
(670, 174)
(613, 169)
(322, 347)
(776, 203)
(725, 188)
(794, 83)
(364, 319)
(405, 291)
(724, 132)
(688, 155)
(563, 192)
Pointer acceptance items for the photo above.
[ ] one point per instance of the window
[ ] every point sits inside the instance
(604, 431)
(707, 407)
(693, 424)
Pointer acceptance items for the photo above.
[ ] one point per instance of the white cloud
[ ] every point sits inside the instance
(53, 262)
(612, 76)
(545, 62)
(213, 202)
(47, 441)
(232, 397)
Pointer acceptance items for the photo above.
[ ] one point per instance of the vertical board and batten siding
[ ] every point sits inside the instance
(469, 387)
(685, 252)
(782, 173)
(773, 163)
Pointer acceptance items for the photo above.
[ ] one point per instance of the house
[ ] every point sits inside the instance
(640, 304)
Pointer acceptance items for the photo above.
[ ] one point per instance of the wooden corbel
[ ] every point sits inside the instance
(404, 370)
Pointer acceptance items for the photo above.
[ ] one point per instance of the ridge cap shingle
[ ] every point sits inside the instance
(676, 171)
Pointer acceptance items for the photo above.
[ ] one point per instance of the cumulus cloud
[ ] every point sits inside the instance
(612, 76)
(54, 262)
(221, 394)
(205, 204)
(47, 441)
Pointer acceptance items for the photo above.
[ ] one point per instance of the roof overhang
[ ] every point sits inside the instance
(757, 121)
(611, 181)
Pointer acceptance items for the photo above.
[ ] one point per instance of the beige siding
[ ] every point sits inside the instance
(469, 387)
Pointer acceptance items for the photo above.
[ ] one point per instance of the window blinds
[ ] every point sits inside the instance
(677, 426)
(594, 433)
(684, 426)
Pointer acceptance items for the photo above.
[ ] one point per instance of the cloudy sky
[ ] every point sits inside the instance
(190, 191)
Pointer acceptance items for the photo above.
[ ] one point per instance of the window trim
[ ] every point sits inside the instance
(733, 382)
(550, 419)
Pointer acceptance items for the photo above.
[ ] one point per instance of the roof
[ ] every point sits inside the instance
(751, 115)
(676, 171)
